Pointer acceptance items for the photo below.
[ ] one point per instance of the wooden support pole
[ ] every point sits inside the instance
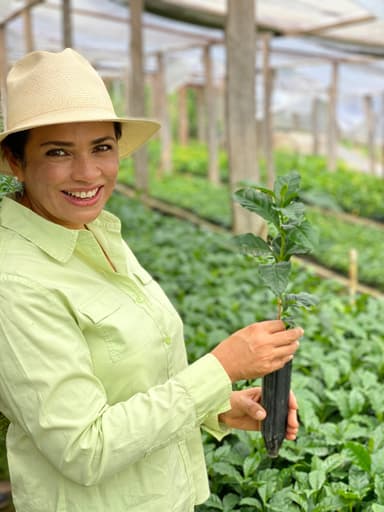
(183, 116)
(210, 108)
(165, 131)
(268, 78)
(240, 35)
(200, 106)
(382, 134)
(67, 24)
(315, 126)
(3, 72)
(332, 118)
(137, 90)
(28, 30)
(370, 125)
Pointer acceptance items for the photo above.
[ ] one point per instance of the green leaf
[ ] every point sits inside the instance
(356, 401)
(214, 502)
(293, 213)
(360, 455)
(257, 202)
(275, 276)
(303, 299)
(253, 502)
(229, 502)
(250, 465)
(379, 488)
(226, 469)
(301, 239)
(286, 188)
(317, 479)
(252, 244)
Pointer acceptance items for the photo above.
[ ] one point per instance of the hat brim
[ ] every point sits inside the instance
(134, 133)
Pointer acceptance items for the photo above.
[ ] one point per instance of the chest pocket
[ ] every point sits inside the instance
(120, 323)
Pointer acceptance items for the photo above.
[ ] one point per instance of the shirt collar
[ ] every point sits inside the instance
(55, 240)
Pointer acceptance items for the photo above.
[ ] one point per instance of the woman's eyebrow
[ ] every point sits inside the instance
(99, 140)
(56, 143)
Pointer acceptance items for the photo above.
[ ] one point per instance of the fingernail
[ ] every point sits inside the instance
(260, 415)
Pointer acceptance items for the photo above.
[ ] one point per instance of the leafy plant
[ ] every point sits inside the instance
(290, 233)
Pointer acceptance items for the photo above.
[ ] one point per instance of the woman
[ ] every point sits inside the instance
(105, 413)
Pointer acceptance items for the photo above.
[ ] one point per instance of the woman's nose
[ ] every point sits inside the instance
(84, 168)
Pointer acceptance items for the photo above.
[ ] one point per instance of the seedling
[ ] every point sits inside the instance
(289, 233)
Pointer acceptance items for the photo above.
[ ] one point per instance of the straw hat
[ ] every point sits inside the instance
(45, 88)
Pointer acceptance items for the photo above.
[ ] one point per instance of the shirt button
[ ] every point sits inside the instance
(167, 340)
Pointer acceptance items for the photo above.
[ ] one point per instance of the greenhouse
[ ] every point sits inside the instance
(259, 199)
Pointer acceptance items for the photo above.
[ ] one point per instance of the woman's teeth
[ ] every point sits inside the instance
(83, 195)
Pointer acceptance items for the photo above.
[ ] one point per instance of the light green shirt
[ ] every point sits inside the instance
(105, 412)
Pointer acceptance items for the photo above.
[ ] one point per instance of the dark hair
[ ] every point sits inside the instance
(15, 142)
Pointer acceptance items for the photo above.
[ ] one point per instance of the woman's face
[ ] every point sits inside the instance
(69, 171)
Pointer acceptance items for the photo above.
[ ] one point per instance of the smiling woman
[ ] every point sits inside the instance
(68, 170)
(104, 410)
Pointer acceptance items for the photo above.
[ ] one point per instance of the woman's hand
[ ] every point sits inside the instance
(257, 349)
(246, 412)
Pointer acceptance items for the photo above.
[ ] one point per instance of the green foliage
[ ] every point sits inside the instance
(336, 464)
(336, 236)
(290, 233)
(8, 185)
(345, 189)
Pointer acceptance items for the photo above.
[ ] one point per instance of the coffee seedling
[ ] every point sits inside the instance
(289, 234)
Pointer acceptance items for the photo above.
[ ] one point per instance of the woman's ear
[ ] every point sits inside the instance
(14, 163)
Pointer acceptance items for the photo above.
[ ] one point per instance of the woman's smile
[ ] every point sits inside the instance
(83, 197)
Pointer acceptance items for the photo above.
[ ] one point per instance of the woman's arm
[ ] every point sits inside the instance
(49, 389)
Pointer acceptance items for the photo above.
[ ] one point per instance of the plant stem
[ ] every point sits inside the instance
(279, 307)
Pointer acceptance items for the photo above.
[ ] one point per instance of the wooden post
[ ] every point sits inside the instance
(137, 91)
(67, 24)
(382, 134)
(183, 115)
(332, 118)
(200, 114)
(210, 108)
(370, 124)
(165, 131)
(28, 32)
(268, 78)
(315, 125)
(241, 108)
(3, 72)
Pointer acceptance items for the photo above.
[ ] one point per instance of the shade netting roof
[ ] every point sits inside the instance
(302, 63)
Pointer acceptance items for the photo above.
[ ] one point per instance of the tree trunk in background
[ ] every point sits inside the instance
(241, 107)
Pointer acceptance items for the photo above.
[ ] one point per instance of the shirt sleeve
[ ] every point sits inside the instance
(48, 389)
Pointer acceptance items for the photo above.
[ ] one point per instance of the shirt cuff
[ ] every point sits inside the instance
(213, 426)
(208, 385)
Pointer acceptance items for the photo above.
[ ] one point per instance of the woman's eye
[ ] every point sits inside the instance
(103, 147)
(56, 152)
